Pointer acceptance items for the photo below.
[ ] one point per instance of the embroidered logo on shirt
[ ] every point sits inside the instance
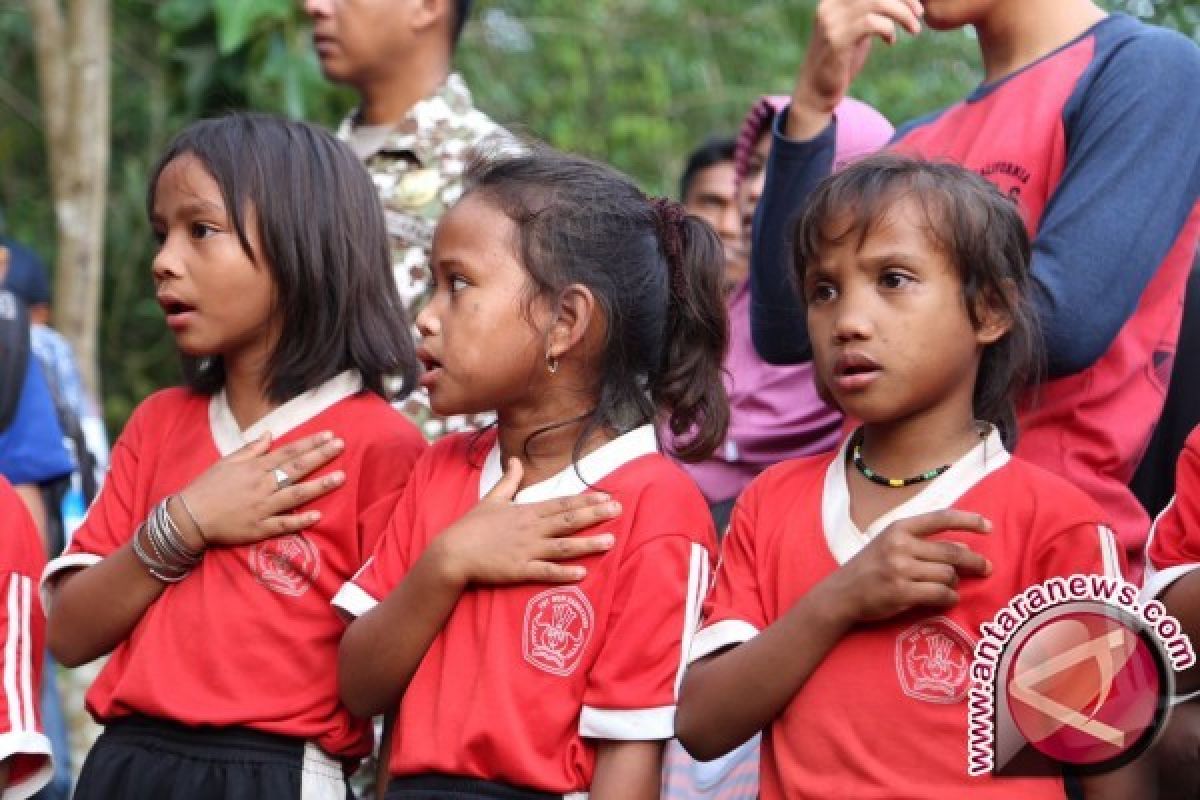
(558, 624)
(286, 564)
(933, 659)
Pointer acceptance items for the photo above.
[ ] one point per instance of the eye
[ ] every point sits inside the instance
(159, 235)
(895, 279)
(821, 293)
(201, 230)
(457, 284)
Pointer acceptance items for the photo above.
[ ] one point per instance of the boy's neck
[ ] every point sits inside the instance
(385, 99)
(1020, 32)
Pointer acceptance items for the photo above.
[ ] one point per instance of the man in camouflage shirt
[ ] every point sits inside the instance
(415, 130)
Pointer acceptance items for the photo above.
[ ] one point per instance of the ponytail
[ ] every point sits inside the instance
(688, 383)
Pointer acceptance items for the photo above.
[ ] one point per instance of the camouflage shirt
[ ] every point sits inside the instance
(417, 166)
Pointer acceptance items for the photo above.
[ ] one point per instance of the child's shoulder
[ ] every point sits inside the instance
(792, 477)
(1042, 493)
(370, 416)
(174, 404)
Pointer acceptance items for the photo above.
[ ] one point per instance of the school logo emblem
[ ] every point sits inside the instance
(933, 659)
(286, 564)
(558, 625)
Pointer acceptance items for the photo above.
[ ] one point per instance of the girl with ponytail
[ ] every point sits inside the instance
(528, 610)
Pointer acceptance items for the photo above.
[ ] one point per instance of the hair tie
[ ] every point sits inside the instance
(669, 217)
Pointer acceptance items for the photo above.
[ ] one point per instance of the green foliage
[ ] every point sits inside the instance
(634, 82)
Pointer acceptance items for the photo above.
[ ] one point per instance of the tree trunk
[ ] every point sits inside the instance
(73, 52)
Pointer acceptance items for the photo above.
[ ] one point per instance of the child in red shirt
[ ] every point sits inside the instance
(237, 506)
(852, 585)
(582, 313)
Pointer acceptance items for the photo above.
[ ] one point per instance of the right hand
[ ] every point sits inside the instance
(840, 43)
(237, 500)
(901, 569)
(499, 541)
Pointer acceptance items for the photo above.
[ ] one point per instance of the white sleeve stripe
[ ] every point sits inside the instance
(697, 581)
(627, 725)
(1151, 567)
(61, 564)
(1154, 583)
(353, 599)
(1108, 552)
(30, 744)
(718, 635)
(12, 654)
(27, 652)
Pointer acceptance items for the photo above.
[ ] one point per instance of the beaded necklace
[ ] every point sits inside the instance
(894, 483)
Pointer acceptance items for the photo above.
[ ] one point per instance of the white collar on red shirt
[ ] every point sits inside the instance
(292, 414)
(842, 535)
(593, 467)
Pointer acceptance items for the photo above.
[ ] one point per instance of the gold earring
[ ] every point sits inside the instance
(551, 363)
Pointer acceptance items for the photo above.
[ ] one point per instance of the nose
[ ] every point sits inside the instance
(427, 319)
(851, 317)
(729, 223)
(318, 8)
(165, 265)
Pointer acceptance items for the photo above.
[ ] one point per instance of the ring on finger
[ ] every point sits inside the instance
(282, 479)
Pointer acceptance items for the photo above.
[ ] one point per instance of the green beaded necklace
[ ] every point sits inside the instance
(892, 483)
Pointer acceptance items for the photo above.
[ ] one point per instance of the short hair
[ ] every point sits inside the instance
(324, 240)
(977, 228)
(715, 150)
(462, 12)
(656, 273)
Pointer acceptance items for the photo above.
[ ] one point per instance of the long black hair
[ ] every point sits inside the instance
(655, 272)
(325, 243)
(975, 226)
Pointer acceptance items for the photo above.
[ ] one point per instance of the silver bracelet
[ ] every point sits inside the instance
(190, 515)
(176, 548)
(156, 568)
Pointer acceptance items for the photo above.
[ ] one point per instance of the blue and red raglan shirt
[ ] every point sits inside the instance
(1098, 143)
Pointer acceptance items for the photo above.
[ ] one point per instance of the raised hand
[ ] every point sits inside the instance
(250, 495)
(499, 541)
(841, 40)
(901, 568)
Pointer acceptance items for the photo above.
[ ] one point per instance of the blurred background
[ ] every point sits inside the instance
(637, 83)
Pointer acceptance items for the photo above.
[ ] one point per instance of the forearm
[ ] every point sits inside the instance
(1182, 600)
(96, 608)
(627, 771)
(763, 674)
(382, 649)
(777, 317)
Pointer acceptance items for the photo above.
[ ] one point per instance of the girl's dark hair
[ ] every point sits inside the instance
(655, 272)
(323, 238)
(975, 226)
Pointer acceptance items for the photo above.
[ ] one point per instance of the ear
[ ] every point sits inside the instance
(994, 319)
(571, 320)
(426, 14)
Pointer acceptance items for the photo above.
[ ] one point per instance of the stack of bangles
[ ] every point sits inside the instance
(169, 558)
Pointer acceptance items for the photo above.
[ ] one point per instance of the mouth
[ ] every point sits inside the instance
(854, 370)
(178, 313)
(323, 43)
(432, 367)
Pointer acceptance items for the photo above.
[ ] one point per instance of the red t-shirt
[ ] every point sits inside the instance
(885, 714)
(522, 678)
(23, 627)
(1174, 546)
(248, 638)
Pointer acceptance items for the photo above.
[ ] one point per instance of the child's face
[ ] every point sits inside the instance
(217, 300)
(889, 326)
(483, 349)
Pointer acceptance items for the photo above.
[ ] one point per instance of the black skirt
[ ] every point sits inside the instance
(140, 757)
(452, 787)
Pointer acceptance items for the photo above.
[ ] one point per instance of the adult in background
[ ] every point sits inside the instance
(415, 129)
(1087, 121)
